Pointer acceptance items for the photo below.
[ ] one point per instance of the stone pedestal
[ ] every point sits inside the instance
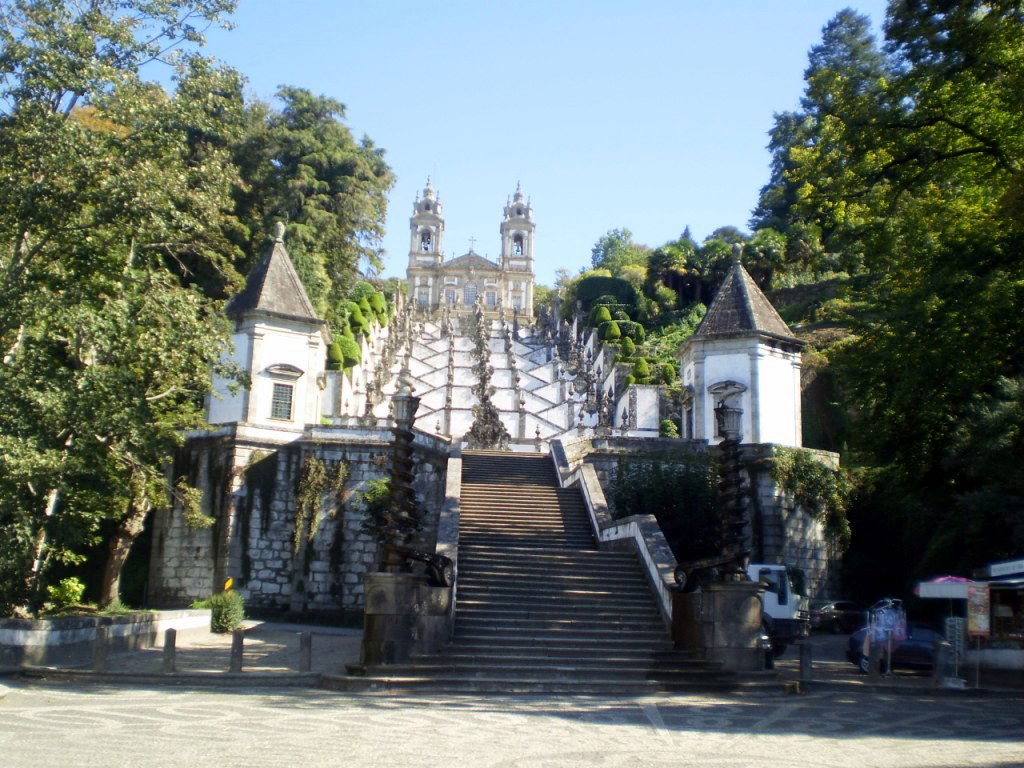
(404, 616)
(731, 622)
(687, 629)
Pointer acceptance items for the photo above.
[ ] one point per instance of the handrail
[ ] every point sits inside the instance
(448, 524)
(658, 561)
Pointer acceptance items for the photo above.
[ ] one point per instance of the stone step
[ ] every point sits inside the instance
(558, 669)
(575, 624)
(476, 610)
(500, 685)
(548, 543)
(531, 594)
(569, 558)
(482, 573)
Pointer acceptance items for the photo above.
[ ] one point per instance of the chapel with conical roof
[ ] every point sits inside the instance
(743, 355)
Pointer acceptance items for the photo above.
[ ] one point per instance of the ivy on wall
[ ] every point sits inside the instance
(316, 484)
(680, 489)
(822, 492)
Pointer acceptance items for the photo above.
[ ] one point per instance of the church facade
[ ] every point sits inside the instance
(435, 283)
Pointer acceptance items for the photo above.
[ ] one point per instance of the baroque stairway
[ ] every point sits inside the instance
(539, 608)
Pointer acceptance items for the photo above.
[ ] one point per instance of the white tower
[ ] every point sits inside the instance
(517, 252)
(742, 354)
(426, 232)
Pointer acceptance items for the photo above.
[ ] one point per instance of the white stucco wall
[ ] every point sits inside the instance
(719, 367)
(779, 386)
(223, 406)
(771, 376)
(286, 343)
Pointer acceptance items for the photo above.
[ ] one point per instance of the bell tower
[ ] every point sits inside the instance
(426, 231)
(517, 256)
(426, 228)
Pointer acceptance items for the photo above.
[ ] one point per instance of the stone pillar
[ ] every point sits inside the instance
(687, 631)
(403, 615)
(731, 620)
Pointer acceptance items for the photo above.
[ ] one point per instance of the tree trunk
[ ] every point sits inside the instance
(33, 582)
(120, 547)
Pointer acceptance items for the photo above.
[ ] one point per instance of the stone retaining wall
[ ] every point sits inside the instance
(68, 641)
(786, 533)
(255, 512)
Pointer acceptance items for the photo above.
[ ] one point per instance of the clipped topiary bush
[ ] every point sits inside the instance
(622, 316)
(628, 347)
(334, 356)
(351, 353)
(610, 331)
(629, 381)
(668, 428)
(599, 315)
(642, 371)
(356, 319)
(668, 373)
(379, 305)
(227, 611)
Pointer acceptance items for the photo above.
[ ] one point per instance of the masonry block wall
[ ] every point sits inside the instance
(782, 532)
(253, 538)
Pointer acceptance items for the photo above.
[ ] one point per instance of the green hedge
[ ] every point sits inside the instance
(610, 331)
(351, 353)
(227, 611)
(334, 356)
(642, 371)
(628, 347)
(599, 315)
(589, 289)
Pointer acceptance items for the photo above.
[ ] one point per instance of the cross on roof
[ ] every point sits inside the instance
(472, 242)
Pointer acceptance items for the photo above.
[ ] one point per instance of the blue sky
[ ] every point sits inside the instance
(647, 115)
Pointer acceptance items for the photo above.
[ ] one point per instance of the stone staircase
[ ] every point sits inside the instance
(539, 608)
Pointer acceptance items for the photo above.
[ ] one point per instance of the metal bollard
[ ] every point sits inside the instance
(305, 651)
(237, 642)
(100, 649)
(806, 662)
(170, 641)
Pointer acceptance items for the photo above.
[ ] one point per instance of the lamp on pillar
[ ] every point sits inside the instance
(731, 493)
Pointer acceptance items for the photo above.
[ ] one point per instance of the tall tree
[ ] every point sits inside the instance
(301, 165)
(917, 174)
(110, 189)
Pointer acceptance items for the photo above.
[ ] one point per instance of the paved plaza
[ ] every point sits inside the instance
(93, 725)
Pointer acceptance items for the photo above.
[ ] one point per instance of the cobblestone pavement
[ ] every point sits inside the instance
(269, 647)
(131, 726)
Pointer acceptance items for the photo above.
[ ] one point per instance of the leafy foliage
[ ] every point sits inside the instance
(819, 490)
(227, 611)
(680, 490)
(904, 163)
(66, 593)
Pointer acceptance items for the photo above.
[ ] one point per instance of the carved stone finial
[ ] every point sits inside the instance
(279, 231)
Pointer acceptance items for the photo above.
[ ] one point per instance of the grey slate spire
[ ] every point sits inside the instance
(273, 287)
(741, 309)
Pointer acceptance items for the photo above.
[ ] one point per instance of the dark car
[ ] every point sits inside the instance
(839, 617)
(917, 651)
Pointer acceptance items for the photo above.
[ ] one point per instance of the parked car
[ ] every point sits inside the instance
(917, 651)
(839, 617)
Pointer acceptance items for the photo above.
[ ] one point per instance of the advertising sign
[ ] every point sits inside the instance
(977, 610)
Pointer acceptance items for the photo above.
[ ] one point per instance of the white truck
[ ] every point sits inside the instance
(786, 615)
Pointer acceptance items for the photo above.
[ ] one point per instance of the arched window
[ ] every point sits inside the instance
(517, 245)
(469, 293)
(426, 241)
